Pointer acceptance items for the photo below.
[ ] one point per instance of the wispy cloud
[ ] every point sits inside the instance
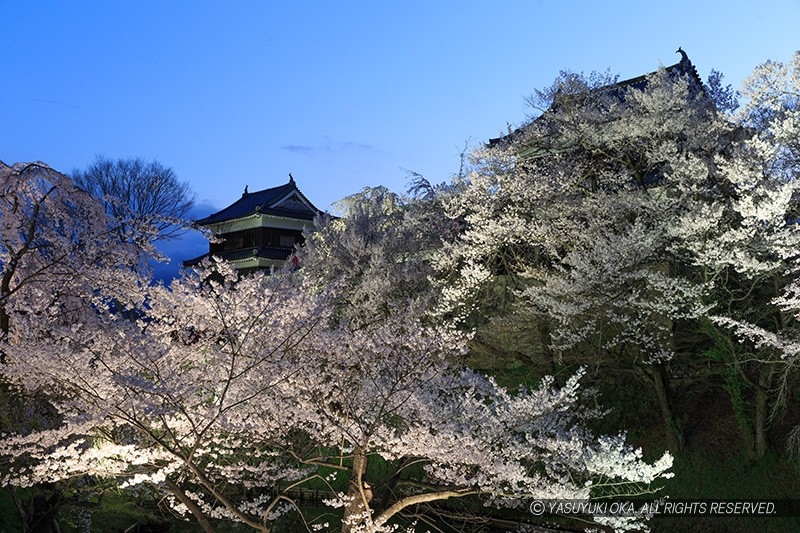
(300, 149)
(327, 146)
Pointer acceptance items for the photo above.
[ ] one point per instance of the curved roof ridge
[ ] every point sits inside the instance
(264, 201)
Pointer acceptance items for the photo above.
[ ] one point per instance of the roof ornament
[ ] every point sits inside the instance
(684, 57)
(291, 179)
(245, 191)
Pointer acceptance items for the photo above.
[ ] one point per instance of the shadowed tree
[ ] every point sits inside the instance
(138, 195)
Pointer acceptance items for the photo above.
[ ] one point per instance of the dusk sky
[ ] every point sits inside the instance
(341, 94)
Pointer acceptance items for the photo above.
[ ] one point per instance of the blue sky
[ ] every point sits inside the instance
(341, 94)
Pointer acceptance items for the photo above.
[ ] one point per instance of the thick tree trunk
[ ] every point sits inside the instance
(388, 487)
(674, 432)
(5, 321)
(360, 492)
(545, 335)
(38, 514)
(5, 325)
(201, 518)
(761, 421)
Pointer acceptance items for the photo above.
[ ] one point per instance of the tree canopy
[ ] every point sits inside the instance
(139, 194)
(223, 386)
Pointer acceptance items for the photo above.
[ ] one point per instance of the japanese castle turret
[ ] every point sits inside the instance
(260, 229)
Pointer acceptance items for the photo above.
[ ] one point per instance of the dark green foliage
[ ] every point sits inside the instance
(729, 473)
(9, 517)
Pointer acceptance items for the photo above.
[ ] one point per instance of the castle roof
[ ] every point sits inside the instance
(285, 201)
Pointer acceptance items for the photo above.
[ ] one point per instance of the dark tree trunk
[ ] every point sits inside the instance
(543, 326)
(674, 431)
(761, 421)
(5, 324)
(38, 514)
(201, 518)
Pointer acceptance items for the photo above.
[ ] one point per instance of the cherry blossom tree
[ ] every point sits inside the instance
(389, 242)
(176, 398)
(617, 220)
(767, 359)
(374, 258)
(226, 396)
(399, 397)
(571, 209)
(56, 247)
